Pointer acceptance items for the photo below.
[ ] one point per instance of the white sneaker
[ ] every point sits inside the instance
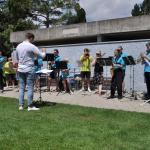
(89, 90)
(33, 108)
(71, 92)
(81, 90)
(17, 90)
(1, 91)
(20, 107)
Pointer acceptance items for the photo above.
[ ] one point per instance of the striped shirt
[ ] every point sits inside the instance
(86, 63)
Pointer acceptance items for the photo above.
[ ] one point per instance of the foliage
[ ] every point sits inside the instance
(141, 9)
(30, 14)
(56, 12)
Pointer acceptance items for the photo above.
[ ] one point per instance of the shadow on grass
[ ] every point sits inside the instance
(44, 104)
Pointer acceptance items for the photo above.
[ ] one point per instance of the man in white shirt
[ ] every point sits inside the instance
(25, 54)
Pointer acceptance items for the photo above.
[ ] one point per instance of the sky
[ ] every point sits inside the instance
(107, 9)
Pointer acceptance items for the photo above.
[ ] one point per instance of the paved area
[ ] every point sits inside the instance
(88, 100)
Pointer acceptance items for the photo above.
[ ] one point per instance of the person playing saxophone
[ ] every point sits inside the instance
(146, 61)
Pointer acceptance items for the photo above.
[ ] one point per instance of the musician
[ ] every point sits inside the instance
(9, 72)
(146, 61)
(117, 75)
(65, 77)
(123, 54)
(2, 60)
(38, 62)
(98, 72)
(52, 66)
(85, 69)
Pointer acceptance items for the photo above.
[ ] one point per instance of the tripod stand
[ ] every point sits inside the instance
(40, 100)
(39, 73)
(106, 62)
(129, 61)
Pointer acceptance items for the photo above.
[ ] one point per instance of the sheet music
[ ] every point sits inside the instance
(147, 61)
(44, 71)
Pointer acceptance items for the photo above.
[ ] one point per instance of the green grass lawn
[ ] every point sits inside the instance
(65, 127)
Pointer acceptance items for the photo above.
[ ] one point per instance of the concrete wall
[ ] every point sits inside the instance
(99, 29)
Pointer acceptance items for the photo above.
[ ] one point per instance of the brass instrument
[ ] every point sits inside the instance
(140, 59)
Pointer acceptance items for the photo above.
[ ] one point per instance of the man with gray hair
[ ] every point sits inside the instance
(25, 54)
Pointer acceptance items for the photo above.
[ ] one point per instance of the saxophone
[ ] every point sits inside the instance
(140, 59)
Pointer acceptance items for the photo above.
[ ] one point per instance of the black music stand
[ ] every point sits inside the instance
(106, 62)
(39, 101)
(60, 65)
(129, 61)
(49, 57)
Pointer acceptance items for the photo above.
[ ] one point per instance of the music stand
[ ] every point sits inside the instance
(49, 57)
(39, 73)
(60, 65)
(106, 62)
(129, 61)
(101, 61)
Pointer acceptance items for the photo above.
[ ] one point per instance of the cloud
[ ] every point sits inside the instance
(107, 9)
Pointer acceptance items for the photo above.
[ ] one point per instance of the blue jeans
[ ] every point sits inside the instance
(26, 79)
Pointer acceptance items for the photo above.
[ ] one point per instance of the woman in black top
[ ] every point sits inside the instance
(98, 72)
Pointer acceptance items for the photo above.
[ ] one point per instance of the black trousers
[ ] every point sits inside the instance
(147, 80)
(1, 80)
(116, 82)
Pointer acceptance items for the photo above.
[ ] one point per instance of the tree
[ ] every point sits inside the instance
(146, 7)
(19, 15)
(136, 10)
(13, 17)
(79, 15)
(141, 9)
(54, 12)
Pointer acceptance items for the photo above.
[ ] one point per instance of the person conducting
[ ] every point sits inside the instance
(25, 53)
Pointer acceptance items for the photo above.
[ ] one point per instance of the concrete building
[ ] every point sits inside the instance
(131, 28)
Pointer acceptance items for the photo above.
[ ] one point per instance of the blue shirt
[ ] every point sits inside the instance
(147, 65)
(124, 55)
(2, 59)
(118, 60)
(66, 74)
(40, 64)
(56, 59)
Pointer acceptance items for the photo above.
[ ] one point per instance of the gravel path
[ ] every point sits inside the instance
(89, 100)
